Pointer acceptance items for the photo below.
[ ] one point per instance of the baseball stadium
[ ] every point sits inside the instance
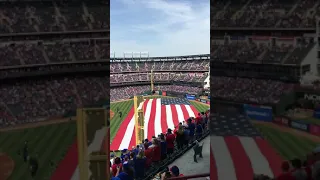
(61, 132)
(151, 96)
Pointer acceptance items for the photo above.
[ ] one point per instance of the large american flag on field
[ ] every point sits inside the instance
(159, 115)
(238, 151)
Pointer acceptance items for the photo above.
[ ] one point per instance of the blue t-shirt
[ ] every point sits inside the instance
(163, 147)
(139, 167)
(199, 128)
(192, 127)
(122, 176)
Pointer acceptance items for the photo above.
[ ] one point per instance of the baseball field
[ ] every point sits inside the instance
(52, 143)
(288, 142)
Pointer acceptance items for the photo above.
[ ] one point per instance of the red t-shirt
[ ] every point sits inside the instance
(170, 140)
(309, 172)
(148, 154)
(285, 176)
(114, 168)
(156, 154)
(199, 120)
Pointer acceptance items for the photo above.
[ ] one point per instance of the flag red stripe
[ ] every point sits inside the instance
(195, 111)
(145, 105)
(213, 166)
(150, 127)
(274, 159)
(174, 115)
(164, 124)
(185, 112)
(133, 139)
(241, 161)
(121, 131)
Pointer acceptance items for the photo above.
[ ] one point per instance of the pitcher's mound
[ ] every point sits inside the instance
(6, 166)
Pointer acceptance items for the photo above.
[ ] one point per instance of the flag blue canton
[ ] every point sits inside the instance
(232, 125)
(168, 101)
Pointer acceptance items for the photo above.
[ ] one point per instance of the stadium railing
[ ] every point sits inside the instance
(191, 176)
(152, 173)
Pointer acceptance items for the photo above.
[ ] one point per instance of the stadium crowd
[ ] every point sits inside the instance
(265, 14)
(249, 90)
(129, 91)
(165, 65)
(261, 50)
(47, 16)
(144, 160)
(21, 53)
(174, 76)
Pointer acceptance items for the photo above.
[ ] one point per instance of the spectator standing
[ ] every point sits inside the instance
(163, 146)
(116, 167)
(180, 137)
(126, 173)
(170, 138)
(286, 175)
(191, 127)
(298, 172)
(174, 172)
(140, 164)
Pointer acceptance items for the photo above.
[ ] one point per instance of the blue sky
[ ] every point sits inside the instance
(160, 27)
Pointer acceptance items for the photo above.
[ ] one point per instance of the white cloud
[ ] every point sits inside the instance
(163, 28)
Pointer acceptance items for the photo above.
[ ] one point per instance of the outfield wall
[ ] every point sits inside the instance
(300, 125)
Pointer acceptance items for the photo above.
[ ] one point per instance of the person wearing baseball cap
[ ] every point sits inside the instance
(127, 173)
(174, 171)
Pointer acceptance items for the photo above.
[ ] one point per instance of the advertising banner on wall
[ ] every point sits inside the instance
(191, 97)
(314, 129)
(285, 121)
(259, 113)
(299, 125)
(316, 113)
(203, 100)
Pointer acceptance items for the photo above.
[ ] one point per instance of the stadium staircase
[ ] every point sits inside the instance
(195, 170)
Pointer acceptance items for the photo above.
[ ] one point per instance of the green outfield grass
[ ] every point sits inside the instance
(289, 146)
(49, 143)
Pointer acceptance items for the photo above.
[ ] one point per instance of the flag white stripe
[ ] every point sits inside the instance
(190, 112)
(180, 113)
(223, 159)
(259, 163)
(127, 135)
(169, 117)
(147, 117)
(157, 120)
